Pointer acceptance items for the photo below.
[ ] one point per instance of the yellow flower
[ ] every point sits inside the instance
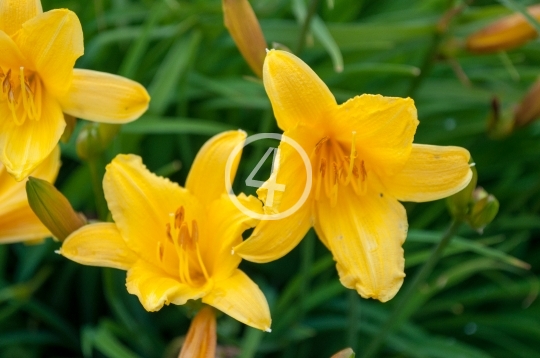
(201, 339)
(39, 84)
(174, 242)
(363, 162)
(17, 220)
(504, 34)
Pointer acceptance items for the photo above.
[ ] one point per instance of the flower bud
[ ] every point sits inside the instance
(529, 109)
(246, 32)
(484, 209)
(346, 353)
(459, 203)
(52, 208)
(507, 33)
(95, 138)
(201, 339)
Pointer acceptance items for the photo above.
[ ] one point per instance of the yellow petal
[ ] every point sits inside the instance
(228, 222)
(206, 179)
(241, 298)
(141, 204)
(102, 97)
(273, 239)
(14, 13)
(11, 55)
(365, 234)
(201, 339)
(21, 224)
(155, 288)
(24, 147)
(297, 94)
(13, 193)
(431, 173)
(99, 245)
(384, 127)
(52, 42)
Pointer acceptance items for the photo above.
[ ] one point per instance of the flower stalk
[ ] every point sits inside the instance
(398, 314)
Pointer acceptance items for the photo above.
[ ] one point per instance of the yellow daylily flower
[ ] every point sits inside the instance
(363, 161)
(201, 339)
(175, 242)
(39, 84)
(17, 220)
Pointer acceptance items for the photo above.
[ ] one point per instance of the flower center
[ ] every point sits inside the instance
(333, 167)
(22, 92)
(186, 246)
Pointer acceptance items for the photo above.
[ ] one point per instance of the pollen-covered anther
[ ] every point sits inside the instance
(160, 251)
(6, 83)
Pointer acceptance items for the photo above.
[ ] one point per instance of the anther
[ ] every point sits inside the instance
(319, 144)
(160, 251)
(6, 84)
(179, 217)
(169, 236)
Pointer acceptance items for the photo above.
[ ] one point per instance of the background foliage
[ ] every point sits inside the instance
(480, 301)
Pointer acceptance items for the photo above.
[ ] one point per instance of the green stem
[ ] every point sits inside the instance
(354, 317)
(427, 64)
(397, 314)
(307, 254)
(305, 26)
(97, 172)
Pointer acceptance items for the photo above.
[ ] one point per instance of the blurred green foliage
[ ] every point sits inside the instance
(480, 301)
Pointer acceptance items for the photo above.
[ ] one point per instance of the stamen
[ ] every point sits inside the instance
(185, 243)
(352, 157)
(169, 236)
(160, 251)
(6, 84)
(24, 94)
(179, 217)
(362, 179)
(334, 192)
(319, 144)
(31, 99)
(320, 178)
(195, 234)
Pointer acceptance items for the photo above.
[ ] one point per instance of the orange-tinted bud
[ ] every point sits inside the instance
(507, 33)
(529, 109)
(246, 32)
(201, 339)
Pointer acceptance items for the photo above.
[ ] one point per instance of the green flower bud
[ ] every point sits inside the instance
(459, 203)
(95, 138)
(346, 353)
(52, 208)
(484, 209)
